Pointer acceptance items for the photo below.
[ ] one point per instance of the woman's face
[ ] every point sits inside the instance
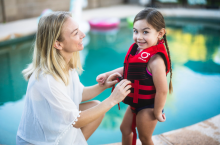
(72, 36)
(144, 34)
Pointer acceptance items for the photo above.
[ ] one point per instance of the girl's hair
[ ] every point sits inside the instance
(156, 19)
(46, 58)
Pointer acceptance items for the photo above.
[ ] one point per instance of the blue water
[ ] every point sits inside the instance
(195, 55)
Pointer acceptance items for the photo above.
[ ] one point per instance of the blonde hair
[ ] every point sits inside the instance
(46, 58)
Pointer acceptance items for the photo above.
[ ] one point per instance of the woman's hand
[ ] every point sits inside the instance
(160, 117)
(112, 80)
(121, 91)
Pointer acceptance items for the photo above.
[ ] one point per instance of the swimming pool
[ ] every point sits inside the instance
(195, 54)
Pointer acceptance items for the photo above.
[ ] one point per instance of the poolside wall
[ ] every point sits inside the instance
(1, 11)
(11, 10)
(103, 3)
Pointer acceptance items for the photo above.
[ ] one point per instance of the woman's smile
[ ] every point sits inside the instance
(81, 44)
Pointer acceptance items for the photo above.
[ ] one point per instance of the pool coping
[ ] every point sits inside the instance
(202, 133)
(16, 29)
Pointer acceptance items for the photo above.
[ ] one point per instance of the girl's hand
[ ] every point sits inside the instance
(161, 117)
(121, 91)
(101, 78)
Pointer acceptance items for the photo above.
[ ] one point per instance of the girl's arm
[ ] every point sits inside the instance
(93, 91)
(102, 77)
(158, 69)
(89, 115)
(118, 70)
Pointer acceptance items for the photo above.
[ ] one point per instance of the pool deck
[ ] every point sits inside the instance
(27, 27)
(203, 133)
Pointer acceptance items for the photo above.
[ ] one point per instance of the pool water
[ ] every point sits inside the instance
(195, 55)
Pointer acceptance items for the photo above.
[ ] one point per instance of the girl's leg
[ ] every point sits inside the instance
(89, 129)
(146, 123)
(125, 127)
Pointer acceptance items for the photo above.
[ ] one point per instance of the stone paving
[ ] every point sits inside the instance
(204, 133)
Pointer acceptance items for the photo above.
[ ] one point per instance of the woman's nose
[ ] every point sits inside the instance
(82, 35)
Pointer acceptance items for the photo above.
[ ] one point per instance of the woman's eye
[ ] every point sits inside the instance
(76, 33)
(145, 32)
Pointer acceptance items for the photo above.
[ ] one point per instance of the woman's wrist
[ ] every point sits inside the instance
(102, 87)
(112, 102)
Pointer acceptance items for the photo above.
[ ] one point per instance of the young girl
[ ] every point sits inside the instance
(146, 65)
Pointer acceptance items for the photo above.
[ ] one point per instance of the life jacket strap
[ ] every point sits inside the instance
(136, 91)
(140, 96)
(126, 70)
(142, 87)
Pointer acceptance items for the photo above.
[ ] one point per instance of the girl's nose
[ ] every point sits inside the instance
(139, 36)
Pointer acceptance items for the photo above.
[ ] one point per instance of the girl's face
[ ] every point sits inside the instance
(72, 36)
(144, 34)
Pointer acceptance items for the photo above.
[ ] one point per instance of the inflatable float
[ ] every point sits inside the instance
(104, 23)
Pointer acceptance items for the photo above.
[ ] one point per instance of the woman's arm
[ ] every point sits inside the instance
(89, 115)
(158, 70)
(92, 91)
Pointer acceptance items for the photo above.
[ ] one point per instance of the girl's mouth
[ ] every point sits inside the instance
(141, 43)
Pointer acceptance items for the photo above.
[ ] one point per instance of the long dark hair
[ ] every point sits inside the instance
(156, 19)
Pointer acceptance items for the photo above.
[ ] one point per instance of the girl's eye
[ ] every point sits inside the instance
(76, 33)
(135, 31)
(145, 32)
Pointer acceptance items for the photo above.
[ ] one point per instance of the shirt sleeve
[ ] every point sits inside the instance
(78, 87)
(54, 109)
(81, 87)
(67, 109)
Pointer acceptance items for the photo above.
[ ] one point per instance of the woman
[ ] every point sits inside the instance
(54, 93)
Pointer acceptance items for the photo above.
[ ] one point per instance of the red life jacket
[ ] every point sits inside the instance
(143, 90)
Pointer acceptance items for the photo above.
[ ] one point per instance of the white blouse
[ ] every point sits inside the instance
(50, 110)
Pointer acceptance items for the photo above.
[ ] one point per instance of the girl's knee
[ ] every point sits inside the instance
(125, 130)
(146, 139)
(102, 116)
(97, 102)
